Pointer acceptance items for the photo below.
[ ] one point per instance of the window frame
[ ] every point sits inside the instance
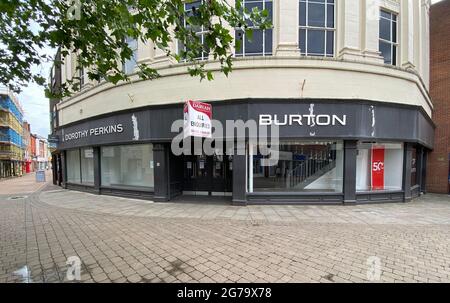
(325, 28)
(393, 45)
(181, 47)
(134, 56)
(243, 39)
(81, 75)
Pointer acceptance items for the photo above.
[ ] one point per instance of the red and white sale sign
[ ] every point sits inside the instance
(197, 119)
(378, 168)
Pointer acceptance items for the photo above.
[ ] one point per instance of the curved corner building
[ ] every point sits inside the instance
(359, 69)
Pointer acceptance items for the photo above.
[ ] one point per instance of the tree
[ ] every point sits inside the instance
(97, 31)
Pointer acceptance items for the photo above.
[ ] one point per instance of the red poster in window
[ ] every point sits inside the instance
(377, 168)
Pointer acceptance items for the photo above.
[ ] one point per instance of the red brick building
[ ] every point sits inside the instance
(27, 159)
(438, 176)
(33, 154)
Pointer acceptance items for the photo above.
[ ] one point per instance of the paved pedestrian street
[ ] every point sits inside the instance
(125, 240)
(22, 185)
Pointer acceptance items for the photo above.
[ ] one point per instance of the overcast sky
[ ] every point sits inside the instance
(36, 105)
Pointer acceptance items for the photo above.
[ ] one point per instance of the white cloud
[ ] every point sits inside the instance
(36, 107)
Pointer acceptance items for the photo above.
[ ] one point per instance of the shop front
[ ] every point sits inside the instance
(329, 152)
(208, 175)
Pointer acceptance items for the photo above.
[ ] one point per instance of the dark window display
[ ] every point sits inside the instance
(379, 166)
(302, 167)
(127, 166)
(414, 179)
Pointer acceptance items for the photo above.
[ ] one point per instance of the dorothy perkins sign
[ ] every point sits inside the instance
(197, 119)
(92, 132)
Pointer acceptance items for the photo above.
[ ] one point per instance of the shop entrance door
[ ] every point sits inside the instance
(208, 175)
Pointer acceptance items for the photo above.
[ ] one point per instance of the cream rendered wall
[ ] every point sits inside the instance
(356, 72)
(425, 40)
(349, 29)
(286, 40)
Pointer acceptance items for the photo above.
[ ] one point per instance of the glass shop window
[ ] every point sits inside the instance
(127, 166)
(303, 166)
(73, 166)
(87, 166)
(379, 166)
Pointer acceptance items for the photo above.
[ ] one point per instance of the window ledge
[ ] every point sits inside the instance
(80, 184)
(392, 191)
(295, 193)
(130, 188)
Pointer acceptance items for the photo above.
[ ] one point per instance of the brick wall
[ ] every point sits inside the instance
(438, 161)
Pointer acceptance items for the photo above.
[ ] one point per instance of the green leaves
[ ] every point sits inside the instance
(114, 78)
(209, 76)
(97, 30)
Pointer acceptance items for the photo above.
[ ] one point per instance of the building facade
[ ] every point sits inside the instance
(26, 142)
(11, 132)
(55, 81)
(33, 151)
(439, 160)
(42, 153)
(347, 82)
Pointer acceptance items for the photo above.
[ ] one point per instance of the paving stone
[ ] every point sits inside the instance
(122, 240)
(134, 278)
(100, 277)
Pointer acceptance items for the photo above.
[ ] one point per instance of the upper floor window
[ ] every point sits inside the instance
(200, 31)
(317, 27)
(261, 42)
(81, 75)
(129, 65)
(388, 37)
